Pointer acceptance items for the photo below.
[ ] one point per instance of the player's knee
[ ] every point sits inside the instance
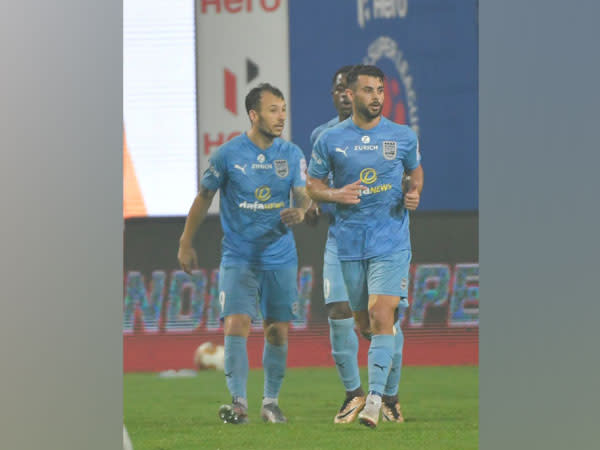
(276, 334)
(237, 325)
(381, 320)
(339, 310)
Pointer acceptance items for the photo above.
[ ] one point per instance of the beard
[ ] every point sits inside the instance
(364, 111)
(270, 133)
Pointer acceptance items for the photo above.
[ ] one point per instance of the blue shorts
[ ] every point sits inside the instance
(386, 275)
(334, 289)
(245, 289)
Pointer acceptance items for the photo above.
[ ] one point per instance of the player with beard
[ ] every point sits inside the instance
(368, 156)
(256, 172)
(344, 342)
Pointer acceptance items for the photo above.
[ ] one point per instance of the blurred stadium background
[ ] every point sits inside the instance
(187, 68)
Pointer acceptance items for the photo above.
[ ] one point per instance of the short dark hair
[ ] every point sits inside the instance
(342, 70)
(363, 69)
(253, 97)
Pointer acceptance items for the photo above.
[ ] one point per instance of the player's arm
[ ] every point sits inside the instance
(415, 186)
(319, 191)
(295, 215)
(317, 184)
(186, 254)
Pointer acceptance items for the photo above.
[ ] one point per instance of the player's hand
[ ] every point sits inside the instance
(412, 198)
(349, 194)
(187, 258)
(311, 217)
(292, 216)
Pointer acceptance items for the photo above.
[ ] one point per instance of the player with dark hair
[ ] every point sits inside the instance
(256, 172)
(368, 156)
(344, 342)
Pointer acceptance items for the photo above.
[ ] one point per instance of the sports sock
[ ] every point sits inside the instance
(274, 359)
(344, 348)
(391, 386)
(236, 365)
(379, 361)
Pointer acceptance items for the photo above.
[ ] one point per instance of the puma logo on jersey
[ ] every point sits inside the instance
(242, 169)
(337, 149)
(379, 367)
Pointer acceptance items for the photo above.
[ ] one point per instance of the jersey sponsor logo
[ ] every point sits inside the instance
(366, 147)
(263, 193)
(241, 168)
(365, 139)
(256, 206)
(342, 150)
(368, 176)
(376, 189)
(390, 150)
(281, 168)
(262, 166)
(260, 158)
(400, 96)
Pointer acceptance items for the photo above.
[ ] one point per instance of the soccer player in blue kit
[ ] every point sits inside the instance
(255, 172)
(344, 342)
(368, 156)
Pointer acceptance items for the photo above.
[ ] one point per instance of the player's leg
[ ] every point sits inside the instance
(381, 350)
(384, 297)
(390, 409)
(238, 289)
(278, 292)
(344, 342)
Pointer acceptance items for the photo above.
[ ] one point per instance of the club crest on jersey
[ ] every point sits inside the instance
(281, 168)
(390, 150)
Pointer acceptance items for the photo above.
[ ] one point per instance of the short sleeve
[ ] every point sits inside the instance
(319, 160)
(214, 176)
(314, 135)
(412, 158)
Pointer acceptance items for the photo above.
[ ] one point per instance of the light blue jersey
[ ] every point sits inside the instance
(255, 187)
(326, 208)
(317, 131)
(378, 225)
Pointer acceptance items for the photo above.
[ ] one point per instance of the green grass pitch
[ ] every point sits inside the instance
(440, 405)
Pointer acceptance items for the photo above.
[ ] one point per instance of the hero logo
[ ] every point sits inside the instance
(230, 83)
(230, 102)
(400, 104)
(236, 6)
(380, 9)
